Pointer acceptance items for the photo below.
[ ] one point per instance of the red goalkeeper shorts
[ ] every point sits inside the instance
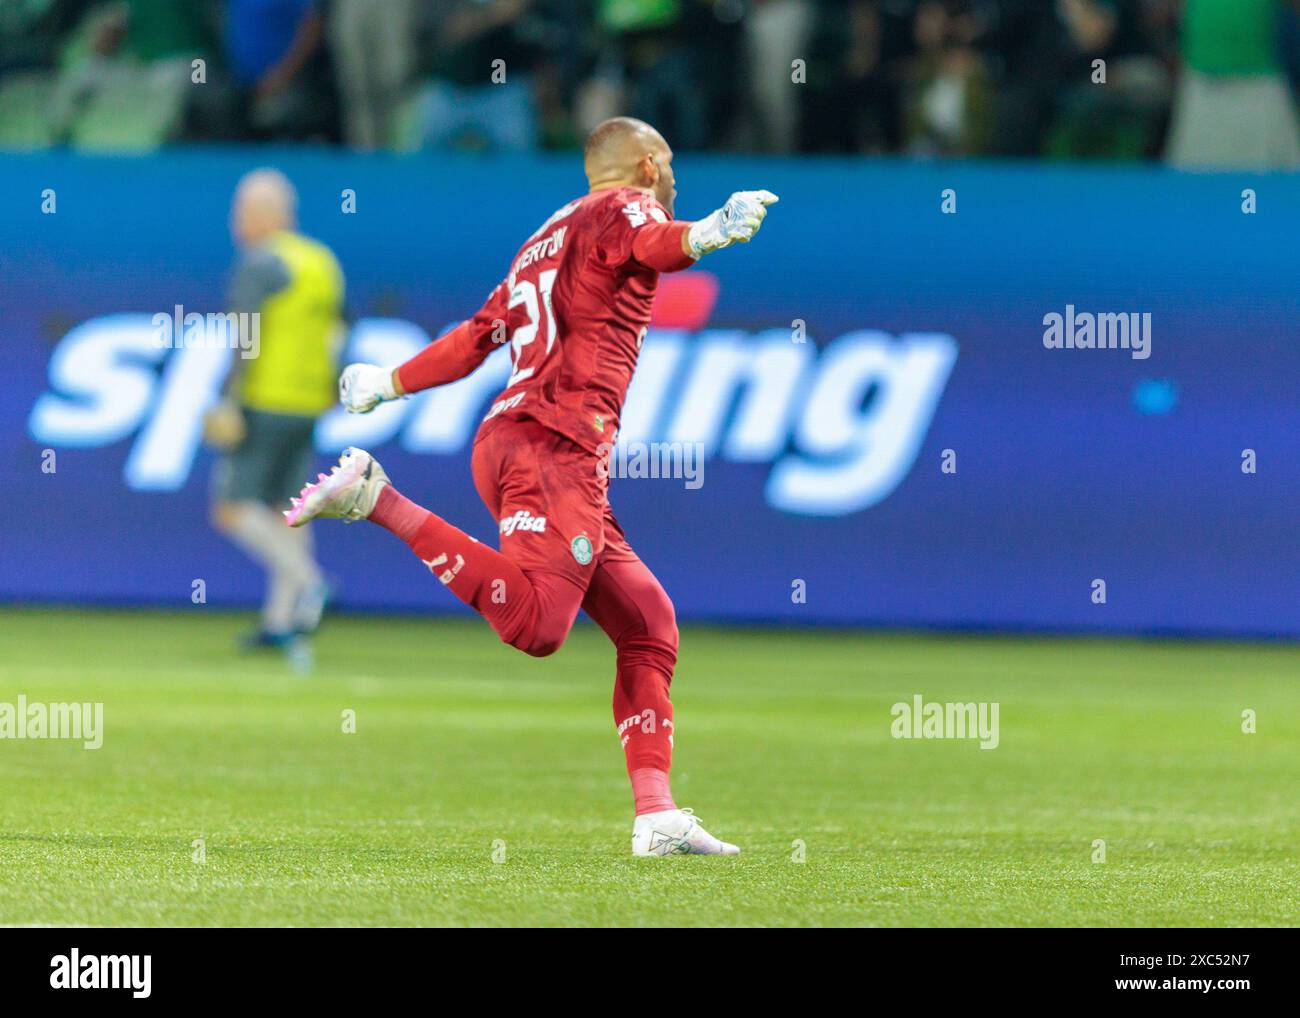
(549, 497)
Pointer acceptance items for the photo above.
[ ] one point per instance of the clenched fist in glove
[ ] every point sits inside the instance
(735, 223)
(362, 387)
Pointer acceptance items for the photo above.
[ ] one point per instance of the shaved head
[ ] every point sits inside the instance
(626, 152)
(265, 202)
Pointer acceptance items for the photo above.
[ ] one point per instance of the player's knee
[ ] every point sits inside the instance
(541, 646)
(543, 640)
(655, 640)
(661, 621)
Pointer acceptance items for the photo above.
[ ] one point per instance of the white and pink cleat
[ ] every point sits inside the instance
(348, 492)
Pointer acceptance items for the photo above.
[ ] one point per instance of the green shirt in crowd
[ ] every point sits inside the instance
(1231, 38)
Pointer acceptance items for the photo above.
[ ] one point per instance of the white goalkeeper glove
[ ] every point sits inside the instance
(736, 222)
(362, 387)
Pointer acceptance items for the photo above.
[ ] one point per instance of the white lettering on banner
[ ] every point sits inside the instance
(763, 372)
(854, 458)
(103, 372)
(841, 425)
(171, 436)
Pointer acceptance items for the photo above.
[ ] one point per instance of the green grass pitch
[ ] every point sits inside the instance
(464, 749)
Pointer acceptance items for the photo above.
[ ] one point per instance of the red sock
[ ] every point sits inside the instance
(531, 611)
(650, 790)
(395, 512)
(645, 724)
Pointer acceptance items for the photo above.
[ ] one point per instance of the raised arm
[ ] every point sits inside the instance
(362, 387)
(671, 246)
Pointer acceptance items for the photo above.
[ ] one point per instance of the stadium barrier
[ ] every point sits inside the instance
(927, 395)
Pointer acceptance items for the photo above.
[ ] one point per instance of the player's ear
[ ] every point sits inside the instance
(650, 168)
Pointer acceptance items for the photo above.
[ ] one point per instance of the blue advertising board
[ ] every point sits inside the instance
(906, 407)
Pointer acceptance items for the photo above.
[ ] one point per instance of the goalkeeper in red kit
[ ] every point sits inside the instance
(574, 309)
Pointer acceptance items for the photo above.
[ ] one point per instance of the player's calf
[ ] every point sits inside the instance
(532, 612)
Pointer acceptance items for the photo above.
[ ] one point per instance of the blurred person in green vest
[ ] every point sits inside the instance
(265, 420)
(1233, 108)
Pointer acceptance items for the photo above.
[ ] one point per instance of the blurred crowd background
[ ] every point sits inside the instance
(1196, 82)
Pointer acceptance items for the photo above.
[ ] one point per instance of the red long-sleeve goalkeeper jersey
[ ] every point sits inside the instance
(574, 310)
